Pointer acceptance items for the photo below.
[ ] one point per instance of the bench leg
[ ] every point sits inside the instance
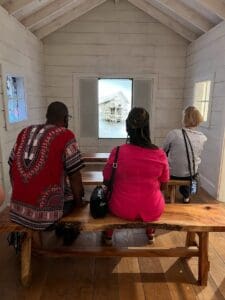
(26, 260)
(203, 263)
(37, 241)
(172, 190)
(190, 239)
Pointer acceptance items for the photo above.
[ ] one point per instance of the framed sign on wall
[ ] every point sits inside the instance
(16, 99)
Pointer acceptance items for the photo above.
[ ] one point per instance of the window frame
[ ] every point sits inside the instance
(93, 143)
(211, 78)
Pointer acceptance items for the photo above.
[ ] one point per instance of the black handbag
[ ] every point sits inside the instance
(194, 176)
(100, 195)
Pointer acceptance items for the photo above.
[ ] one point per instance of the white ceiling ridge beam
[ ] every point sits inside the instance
(164, 19)
(214, 6)
(186, 13)
(67, 17)
(48, 11)
(14, 6)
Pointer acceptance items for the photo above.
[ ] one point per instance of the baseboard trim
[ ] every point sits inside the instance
(208, 186)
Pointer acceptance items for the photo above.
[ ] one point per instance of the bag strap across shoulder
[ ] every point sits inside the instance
(187, 140)
(114, 167)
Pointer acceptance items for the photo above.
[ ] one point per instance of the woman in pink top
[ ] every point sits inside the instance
(141, 174)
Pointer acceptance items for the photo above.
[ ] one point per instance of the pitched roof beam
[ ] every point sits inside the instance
(14, 6)
(215, 6)
(46, 12)
(186, 13)
(67, 17)
(164, 19)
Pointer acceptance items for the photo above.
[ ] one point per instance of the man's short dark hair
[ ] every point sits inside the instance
(56, 112)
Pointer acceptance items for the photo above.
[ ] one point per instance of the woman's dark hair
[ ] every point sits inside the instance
(137, 125)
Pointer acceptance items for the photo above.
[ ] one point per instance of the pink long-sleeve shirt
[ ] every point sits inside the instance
(136, 189)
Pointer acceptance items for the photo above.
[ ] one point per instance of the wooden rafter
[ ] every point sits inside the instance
(67, 17)
(45, 16)
(164, 19)
(215, 6)
(31, 8)
(186, 13)
(58, 13)
(46, 12)
(14, 6)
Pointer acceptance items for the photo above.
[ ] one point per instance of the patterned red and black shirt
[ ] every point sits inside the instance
(40, 162)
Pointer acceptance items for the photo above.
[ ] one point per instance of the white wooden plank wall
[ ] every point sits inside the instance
(1, 126)
(206, 57)
(20, 54)
(119, 39)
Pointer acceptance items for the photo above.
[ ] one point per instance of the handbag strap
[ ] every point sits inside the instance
(187, 139)
(114, 167)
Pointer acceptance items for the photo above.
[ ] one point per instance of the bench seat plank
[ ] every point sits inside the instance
(7, 226)
(96, 178)
(95, 157)
(92, 177)
(178, 217)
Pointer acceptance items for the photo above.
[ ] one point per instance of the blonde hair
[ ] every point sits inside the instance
(192, 117)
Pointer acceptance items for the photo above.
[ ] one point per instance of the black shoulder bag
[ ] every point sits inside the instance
(194, 177)
(100, 196)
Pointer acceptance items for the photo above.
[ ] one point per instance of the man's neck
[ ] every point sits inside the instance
(58, 124)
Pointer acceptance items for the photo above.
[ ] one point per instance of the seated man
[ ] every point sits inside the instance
(45, 174)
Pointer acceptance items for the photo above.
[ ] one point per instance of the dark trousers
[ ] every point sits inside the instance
(183, 189)
(68, 207)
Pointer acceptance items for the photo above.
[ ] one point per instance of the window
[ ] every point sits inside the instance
(17, 107)
(202, 98)
(114, 104)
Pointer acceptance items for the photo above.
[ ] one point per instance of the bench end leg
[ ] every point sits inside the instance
(26, 260)
(203, 264)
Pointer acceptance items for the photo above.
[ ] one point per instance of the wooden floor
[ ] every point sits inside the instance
(115, 278)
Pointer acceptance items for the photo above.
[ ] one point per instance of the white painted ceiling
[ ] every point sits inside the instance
(189, 18)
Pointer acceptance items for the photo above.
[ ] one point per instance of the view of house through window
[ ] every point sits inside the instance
(114, 104)
(202, 97)
(17, 107)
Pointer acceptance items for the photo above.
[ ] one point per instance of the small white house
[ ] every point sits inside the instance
(114, 108)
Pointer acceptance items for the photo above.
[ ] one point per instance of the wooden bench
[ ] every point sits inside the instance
(173, 184)
(95, 157)
(96, 177)
(194, 219)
